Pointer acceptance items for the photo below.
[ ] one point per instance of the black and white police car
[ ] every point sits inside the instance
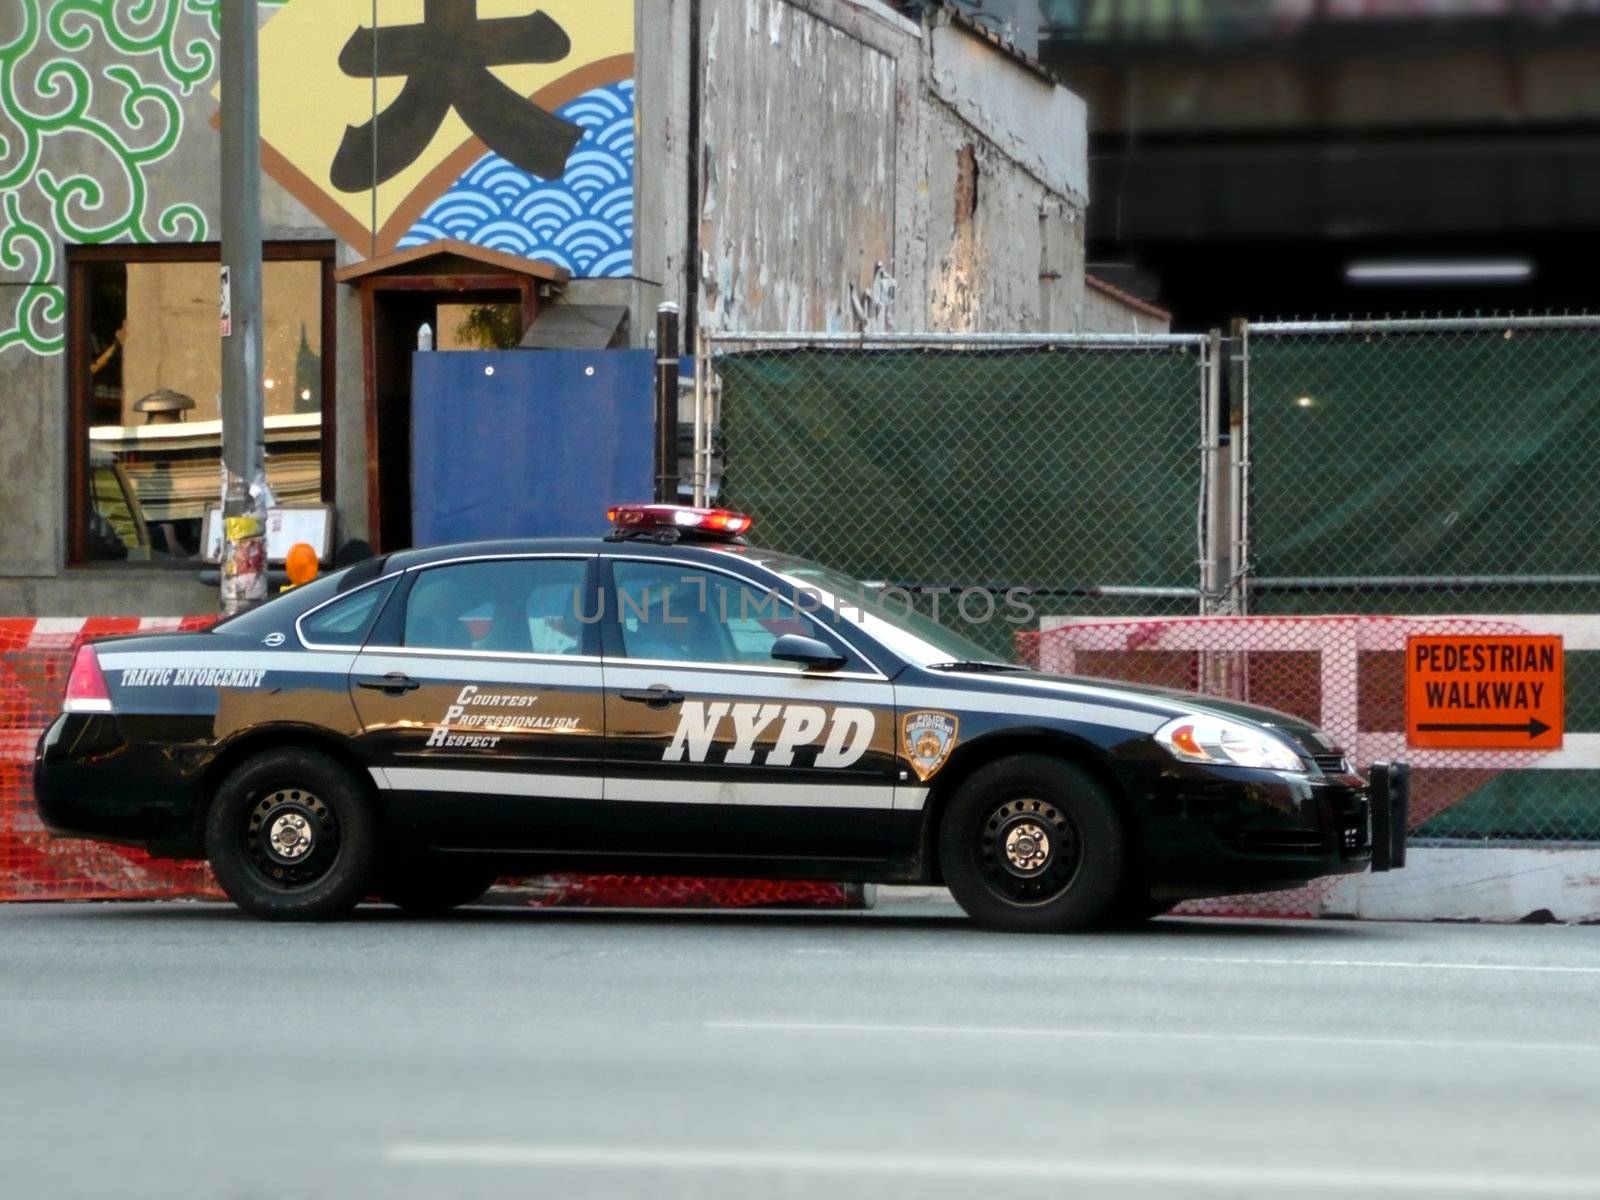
(671, 699)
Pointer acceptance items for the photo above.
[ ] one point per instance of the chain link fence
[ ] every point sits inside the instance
(1076, 468)
(1383, 479)
(1440, 466)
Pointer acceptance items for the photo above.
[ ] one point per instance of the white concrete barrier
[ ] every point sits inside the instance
(1474, 884)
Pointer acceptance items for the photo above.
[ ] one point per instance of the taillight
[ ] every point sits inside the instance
(86, 686)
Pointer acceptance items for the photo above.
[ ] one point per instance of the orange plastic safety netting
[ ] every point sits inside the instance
(35, 658)
(1345, 674)
(671, 891)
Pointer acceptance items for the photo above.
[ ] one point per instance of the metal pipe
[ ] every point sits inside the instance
(691, 255)
(1211, 484)
(702, 369)
(1130, 592)
(1239, 478)
(1501, 842)
(1430, 325)
(1312, 583)
(244, 488)
(713, 422)
(1134, 341)
(667, 403)
(1126, 591)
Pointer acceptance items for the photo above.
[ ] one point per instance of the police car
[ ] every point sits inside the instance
(672, 699)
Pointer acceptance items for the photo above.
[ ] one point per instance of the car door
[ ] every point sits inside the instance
(480, 699)
(714, 747)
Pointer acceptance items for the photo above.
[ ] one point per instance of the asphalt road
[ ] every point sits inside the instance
(181, 1050)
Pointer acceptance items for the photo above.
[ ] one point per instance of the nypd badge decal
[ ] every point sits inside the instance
(929, 739)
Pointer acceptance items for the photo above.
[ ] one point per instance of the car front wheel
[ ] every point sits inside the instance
(1032, 844)
(291, 837)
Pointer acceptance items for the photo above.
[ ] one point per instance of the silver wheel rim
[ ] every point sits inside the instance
(291, 838)
(1029, 850)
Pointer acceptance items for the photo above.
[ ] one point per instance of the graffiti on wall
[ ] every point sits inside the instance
(91, 98)
(520, 138)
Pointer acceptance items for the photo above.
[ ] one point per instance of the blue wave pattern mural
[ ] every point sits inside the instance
(582, 221)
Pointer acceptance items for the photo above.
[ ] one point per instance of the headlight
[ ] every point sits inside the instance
(1227, 743)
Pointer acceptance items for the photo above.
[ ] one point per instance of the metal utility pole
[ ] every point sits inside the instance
(244, 488)
(667, 404)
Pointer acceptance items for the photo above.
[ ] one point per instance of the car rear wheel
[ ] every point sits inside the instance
(428, 887)
(291, 837)
(1032, 844)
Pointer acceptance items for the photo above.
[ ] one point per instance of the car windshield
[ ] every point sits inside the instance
(877, 609)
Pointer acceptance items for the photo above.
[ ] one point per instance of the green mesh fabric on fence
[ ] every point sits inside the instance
(1061, 470)
(1415, 454)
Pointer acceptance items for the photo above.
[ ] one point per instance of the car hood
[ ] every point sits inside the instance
(1170, 701)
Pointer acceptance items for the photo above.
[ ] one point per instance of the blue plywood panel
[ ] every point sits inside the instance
(527, 443)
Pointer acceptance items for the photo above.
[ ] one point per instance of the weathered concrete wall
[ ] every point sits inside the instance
(107, 591)
(798, 196)
(862, 171)
(350, 414)
(32, 470)
(1030, 118)
(1006, 153)
(662, 32)
(1004, 253)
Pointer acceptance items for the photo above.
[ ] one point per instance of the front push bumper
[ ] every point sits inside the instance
(1389, 798)
(1215, 832)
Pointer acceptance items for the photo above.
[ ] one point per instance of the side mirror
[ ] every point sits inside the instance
(808, 652)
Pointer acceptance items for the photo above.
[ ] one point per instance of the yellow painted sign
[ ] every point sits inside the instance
(369, 126)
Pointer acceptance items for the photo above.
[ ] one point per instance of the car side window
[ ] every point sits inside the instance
(676, 613)
(510, 606)
(345, 622)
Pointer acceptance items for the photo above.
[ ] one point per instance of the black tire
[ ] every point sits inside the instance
(427, 887)
(291, 837)
(1068, 878)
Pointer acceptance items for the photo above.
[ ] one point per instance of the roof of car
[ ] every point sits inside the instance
(406, 559)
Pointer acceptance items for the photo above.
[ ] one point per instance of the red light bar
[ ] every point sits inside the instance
(675, 516)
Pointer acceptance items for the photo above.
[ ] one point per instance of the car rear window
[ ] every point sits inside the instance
(345, 622)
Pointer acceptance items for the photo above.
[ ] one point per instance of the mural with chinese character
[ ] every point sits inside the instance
(504, 123)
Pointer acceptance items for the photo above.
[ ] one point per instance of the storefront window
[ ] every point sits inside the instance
(146, 363)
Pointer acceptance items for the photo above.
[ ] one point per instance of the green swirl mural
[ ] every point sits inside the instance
(99, 82)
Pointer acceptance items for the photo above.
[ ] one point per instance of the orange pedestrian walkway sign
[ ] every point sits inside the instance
(1485, 692)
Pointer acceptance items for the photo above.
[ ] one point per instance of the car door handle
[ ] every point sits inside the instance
(659, 696)
(392, 684)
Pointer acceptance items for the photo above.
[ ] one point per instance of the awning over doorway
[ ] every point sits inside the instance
(449, 257)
